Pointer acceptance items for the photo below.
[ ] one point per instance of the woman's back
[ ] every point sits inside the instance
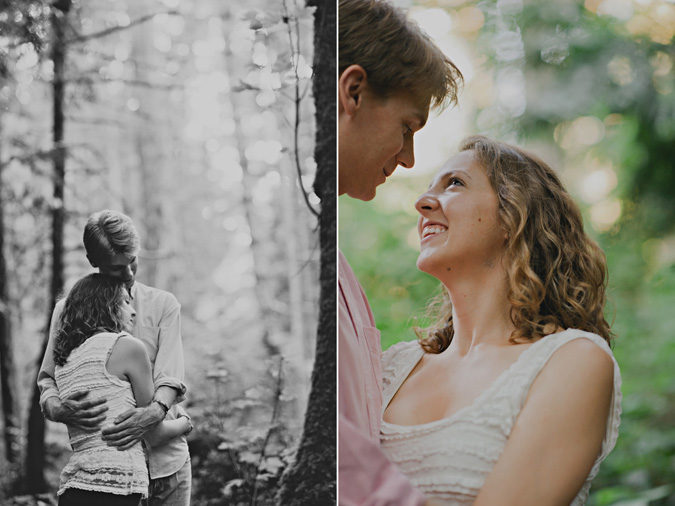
(94, 465)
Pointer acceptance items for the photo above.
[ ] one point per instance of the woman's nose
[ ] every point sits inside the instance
(425, 203)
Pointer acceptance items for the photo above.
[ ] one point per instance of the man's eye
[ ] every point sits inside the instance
(406, 129)
(453, 181)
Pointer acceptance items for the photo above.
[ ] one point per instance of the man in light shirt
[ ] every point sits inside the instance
(390, 74)
(112, 245)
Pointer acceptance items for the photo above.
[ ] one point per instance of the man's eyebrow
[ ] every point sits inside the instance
(120, 265)
(421, 119)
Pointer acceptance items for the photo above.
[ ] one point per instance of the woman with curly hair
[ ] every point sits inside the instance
(513, 396)
(94, 352)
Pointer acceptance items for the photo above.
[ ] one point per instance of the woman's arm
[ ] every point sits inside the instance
(559, 432)
(131, 357)
(167, 430)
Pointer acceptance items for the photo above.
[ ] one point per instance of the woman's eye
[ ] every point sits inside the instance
(406, 129)
(453, 181)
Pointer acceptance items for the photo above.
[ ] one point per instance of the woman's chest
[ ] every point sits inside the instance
(448, 460)
(439, 387)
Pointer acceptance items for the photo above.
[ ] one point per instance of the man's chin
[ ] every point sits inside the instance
(363, 194)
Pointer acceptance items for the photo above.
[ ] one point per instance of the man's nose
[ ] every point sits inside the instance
(406, 157)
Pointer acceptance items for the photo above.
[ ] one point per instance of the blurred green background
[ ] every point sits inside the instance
(590, 87)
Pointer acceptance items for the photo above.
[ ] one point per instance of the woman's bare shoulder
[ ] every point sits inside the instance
(128, 347)
(581, 364)
(583, 353)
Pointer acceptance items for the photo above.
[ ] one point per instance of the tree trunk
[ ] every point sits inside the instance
(261, 277)
(311, 479)
(35, 453)
(153, 160)
(294, 348)
(7, 364)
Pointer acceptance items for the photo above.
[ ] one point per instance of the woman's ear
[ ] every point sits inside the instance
(351, 85)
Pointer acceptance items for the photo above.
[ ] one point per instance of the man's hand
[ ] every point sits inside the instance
(76, 411)
(130, 427)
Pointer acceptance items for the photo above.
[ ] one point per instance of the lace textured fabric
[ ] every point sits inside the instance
(450, 459)
(94, 465)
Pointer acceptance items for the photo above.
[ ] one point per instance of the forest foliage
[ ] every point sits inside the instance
(590, 87)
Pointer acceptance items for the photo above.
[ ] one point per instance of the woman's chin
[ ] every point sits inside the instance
(427, 263)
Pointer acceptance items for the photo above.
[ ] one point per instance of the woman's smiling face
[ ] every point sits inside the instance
(459, 227)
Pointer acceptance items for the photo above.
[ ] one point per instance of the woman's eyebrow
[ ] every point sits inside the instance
(450, 173)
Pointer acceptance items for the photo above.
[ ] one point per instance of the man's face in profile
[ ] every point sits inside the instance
(376, 136)
(120, 266)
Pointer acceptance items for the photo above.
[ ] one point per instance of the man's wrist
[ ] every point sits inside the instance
(164, 408)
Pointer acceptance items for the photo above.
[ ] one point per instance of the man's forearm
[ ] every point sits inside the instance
(50, 409)
(165, 394)
(156, 416)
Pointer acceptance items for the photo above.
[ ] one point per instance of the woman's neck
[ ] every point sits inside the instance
(480, 310)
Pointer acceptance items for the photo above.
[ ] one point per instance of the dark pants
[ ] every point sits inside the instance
(77, 497)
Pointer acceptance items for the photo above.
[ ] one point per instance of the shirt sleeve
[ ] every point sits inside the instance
(366, 476)
(169, 368)
(45, 380)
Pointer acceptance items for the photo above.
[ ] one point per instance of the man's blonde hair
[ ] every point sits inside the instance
(109, 233)
(397, 55)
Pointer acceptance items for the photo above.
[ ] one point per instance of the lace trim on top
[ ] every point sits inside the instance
(450, 458)
(95, 466)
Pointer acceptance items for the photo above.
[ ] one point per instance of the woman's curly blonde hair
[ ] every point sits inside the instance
(557, 274)
(91, 307)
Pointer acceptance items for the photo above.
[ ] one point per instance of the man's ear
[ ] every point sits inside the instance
(92, 262)
(351, 85)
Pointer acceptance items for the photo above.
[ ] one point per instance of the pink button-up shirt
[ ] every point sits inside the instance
(365, 477)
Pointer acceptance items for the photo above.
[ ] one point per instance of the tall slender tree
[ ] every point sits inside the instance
(7, 364)
(311, 479)
(35, 453)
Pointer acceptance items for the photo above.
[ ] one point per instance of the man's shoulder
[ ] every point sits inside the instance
(345, 273)
(155, 295)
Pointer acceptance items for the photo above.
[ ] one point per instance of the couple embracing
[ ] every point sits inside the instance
(512, 396)
(113, 373)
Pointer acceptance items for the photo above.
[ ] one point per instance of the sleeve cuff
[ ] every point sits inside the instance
(43, 401)
(177, 385)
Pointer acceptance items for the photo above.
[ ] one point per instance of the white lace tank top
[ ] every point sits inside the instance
(450, 459)
(95, 466)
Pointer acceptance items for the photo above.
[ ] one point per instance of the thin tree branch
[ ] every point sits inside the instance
(109, 31)
(110, 58)
(295, 57)
(131, 82)
(45, 154)
(275, 411)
